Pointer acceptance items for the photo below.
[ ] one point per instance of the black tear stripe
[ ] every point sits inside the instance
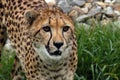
(36, 33)
(47, 46)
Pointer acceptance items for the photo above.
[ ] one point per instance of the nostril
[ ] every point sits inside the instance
(58, 44)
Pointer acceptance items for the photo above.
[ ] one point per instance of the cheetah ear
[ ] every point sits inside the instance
(72, 16)
(30, 16)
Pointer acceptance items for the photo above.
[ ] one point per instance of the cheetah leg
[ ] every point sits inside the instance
(25, 52)
(16, 73)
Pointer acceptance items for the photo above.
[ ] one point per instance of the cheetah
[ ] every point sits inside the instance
(43, 38)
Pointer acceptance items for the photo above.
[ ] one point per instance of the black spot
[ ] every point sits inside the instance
(74, 66)
(64, 64)
(19, 5)
(14, 3)
(1, 6)
(21, 8)
(45, 67)
(31, 72)
(33, 76)
(28, 43)
(15, 7)
(25, 3)
(18, 45)
(19, 1)
(28, 5)
(1, 13)
(34, 2)
(71, 63)
(74, 58)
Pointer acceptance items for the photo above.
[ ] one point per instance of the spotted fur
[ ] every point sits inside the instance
(43, 38)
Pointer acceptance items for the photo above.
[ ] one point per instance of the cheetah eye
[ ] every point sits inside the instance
(46, 28)
(66, 28)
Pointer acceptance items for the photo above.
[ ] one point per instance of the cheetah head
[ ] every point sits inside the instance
(51, 31)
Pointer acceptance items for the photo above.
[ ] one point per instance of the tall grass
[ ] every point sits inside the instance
(98, 54)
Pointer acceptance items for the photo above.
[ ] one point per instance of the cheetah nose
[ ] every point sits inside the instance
(58, 44)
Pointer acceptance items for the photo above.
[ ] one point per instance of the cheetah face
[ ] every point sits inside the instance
(55, 41)
(52, 34)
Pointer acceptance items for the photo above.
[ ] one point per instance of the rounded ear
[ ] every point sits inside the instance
(31, 16)
(73, 14)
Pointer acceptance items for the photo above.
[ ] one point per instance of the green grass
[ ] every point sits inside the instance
(6, 65)
(98, 54)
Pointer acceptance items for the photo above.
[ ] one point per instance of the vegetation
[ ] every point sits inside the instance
(6, 65)
(98, 54)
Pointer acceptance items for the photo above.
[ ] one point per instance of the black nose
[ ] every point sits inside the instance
(58, 44)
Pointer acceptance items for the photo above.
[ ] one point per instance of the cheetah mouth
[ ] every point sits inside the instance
(56, 53)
